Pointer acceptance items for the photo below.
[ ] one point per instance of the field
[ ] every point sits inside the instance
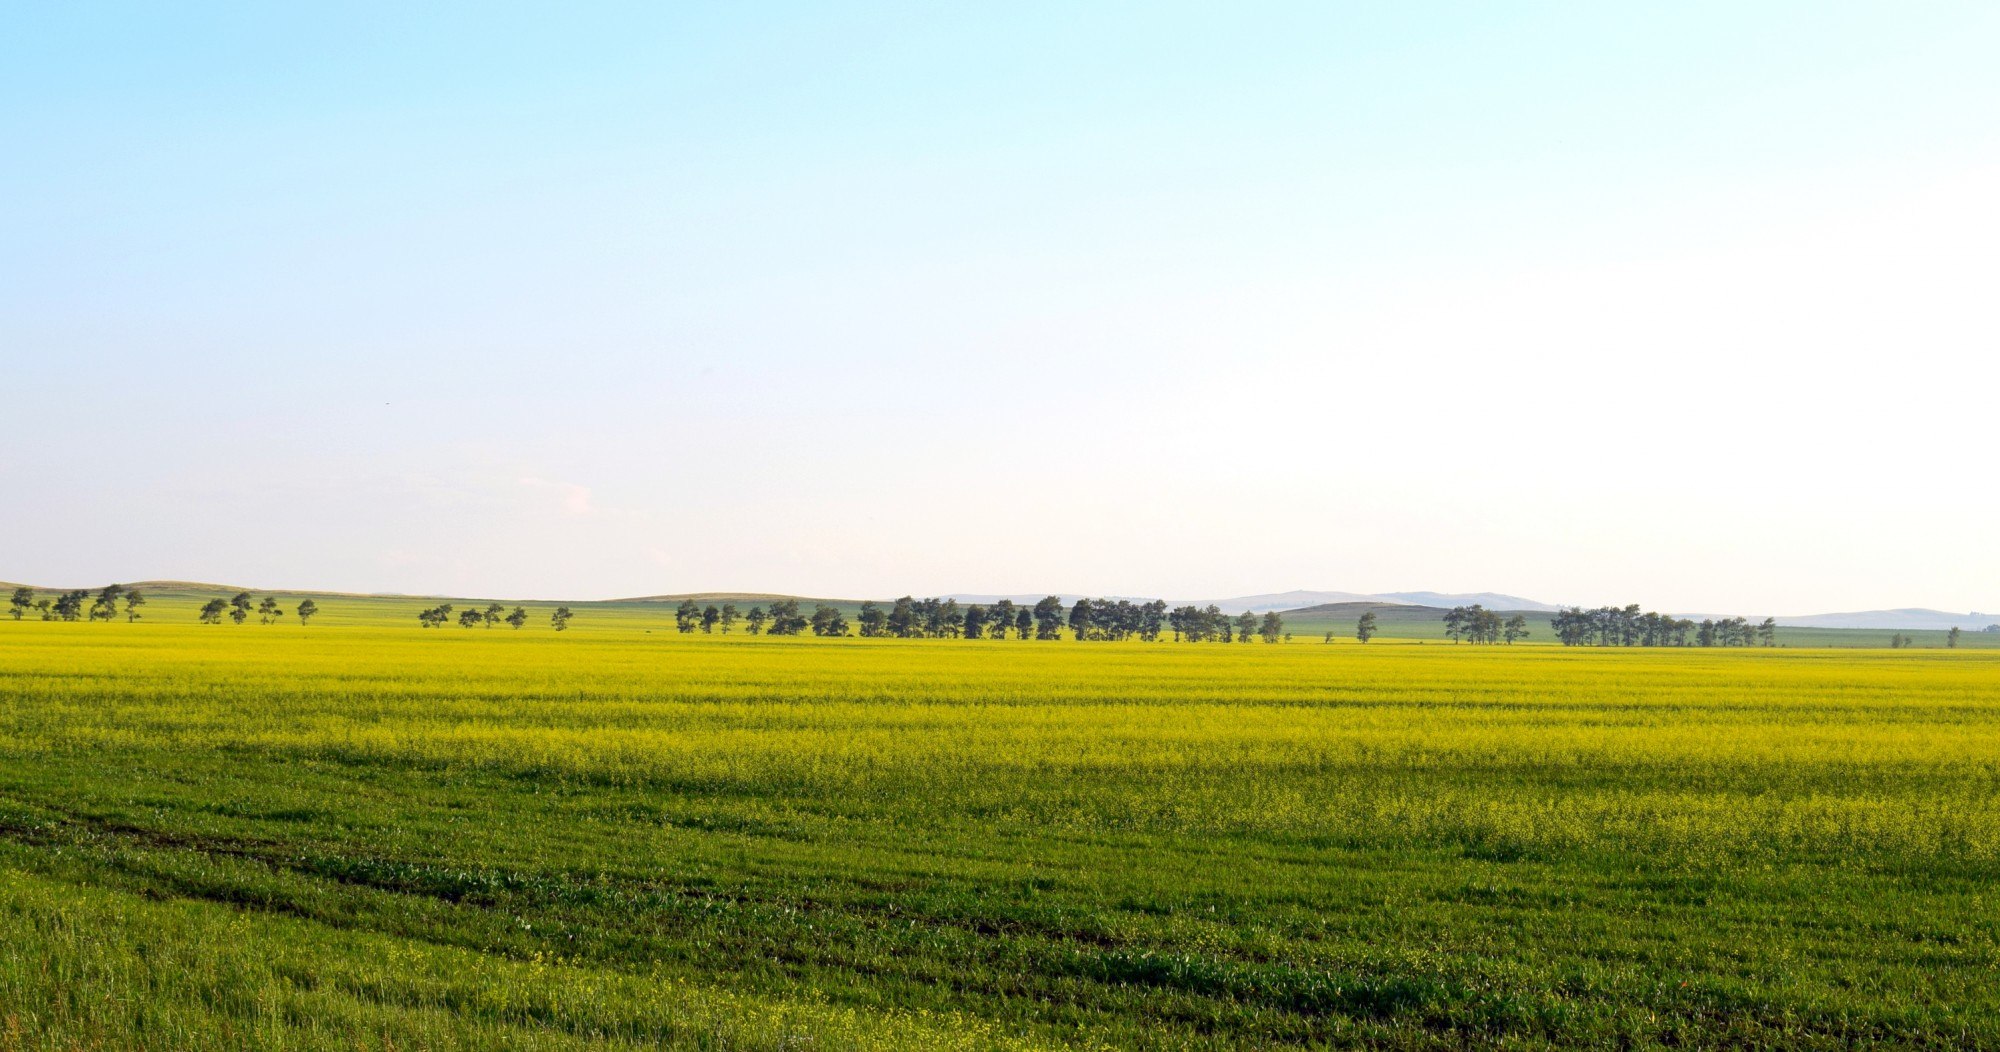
(366, 835)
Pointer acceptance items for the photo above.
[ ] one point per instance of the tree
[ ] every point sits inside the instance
(686, 616)
(23, 599)
(1767, 632)
(1001, 616)
(1951, 638)
(786, 619)
(106, 606)
(1079, 619)
(469, 618)
(518, 618)
(1024, 622)
(307, 608)
(901, 620)
(1364, 627)
(211, 612)
(873, 621)
(729, 617)
(1517, 628)
(1048, 615)
(827, 621)
(46, 609)
(756, 618)
(560, 618)
(269, 612)
(435, 616)
(493, 614)
(1246, 626)
(239, 607)
(133, 601)
(711, 615)
(975, 622)
(69, 605)
(1271, 627)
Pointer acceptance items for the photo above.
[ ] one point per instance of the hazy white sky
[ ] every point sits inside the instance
(1692, 306)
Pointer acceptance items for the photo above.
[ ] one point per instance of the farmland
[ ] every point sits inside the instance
(365, 834)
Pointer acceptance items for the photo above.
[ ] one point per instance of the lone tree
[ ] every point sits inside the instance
(211, 612)
(756, 618)
(492, 614)
(269, 612)
(560, 619)
(729, 617)
(518, 618)
(133, 601)
(1951, 638)
(1364, 629)
(307, 608)
(22, 600)
(239, 607)
(685, 616)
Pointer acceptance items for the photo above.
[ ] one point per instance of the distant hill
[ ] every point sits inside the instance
(1909, 617)
(1489, 600)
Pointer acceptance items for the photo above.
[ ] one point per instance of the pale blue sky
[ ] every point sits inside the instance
(592, 300)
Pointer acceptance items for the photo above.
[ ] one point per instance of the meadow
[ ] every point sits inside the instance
(361, 834)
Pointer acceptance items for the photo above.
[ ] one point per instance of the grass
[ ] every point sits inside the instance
(361, 834)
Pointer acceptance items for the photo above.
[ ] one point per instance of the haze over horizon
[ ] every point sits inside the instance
(1577, 304)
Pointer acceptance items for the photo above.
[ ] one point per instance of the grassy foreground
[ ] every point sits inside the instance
(355, 836)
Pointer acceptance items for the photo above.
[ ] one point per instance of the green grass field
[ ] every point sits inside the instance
(366, 835)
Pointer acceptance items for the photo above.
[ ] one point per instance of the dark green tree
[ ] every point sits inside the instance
(975, 622)
(711, 615)
(1951, 638)
(133, 601)
(307, 608)
(211, 612)
(1024, 623)
(686, 616)
(827, 621)
(270, 613)
(729, 618)
(755, 620)
(1271, 627)
(786, 619)
(1517, 628)
(106, 606)
(1364, 628)
(560, 618)
(23, 599)
(1001, 618)
(517, 618)
(493, 614)
(470, 618)
(239, 607)
(1048, 615)
(69, 605)
(873, 621)
(1246, 626)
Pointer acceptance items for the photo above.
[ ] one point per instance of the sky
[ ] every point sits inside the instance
(1691, 305)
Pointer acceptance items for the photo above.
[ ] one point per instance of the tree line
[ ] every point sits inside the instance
(238, 609)
(1476, 624)
(71, 606)
(1626, 626)
(494, 614)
